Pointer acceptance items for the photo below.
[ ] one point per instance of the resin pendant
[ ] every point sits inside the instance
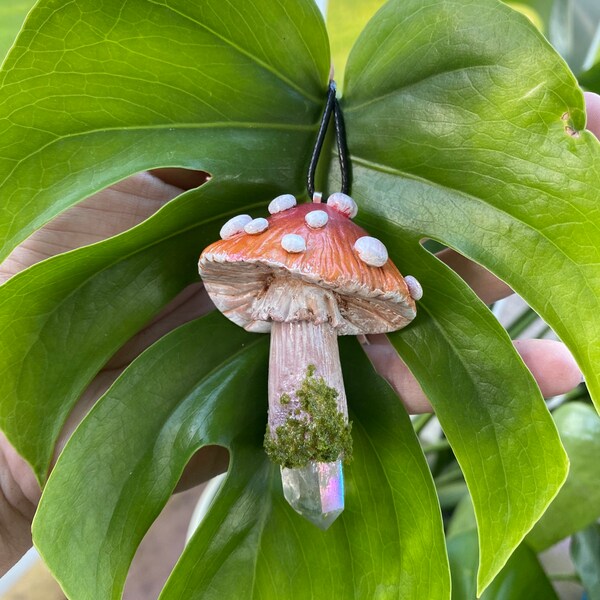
(307, 274)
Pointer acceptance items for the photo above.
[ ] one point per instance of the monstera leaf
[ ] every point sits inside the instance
(464, 126)
(251, 543)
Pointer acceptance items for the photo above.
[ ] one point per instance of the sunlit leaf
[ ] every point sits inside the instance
(540, 9)
(530, 12)
(345, 20)
(89, 96)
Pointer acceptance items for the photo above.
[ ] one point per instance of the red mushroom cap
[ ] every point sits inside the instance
(238, 273)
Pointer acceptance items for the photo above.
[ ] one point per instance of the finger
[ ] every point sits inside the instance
(190, 304)
(208, 462)
(550, 363)
(486, 285)
(101, 216)
(17, 482)
(592, 105)
(389, 365)
(184, 179)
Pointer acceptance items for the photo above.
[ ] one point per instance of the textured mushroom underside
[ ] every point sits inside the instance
(253, 281)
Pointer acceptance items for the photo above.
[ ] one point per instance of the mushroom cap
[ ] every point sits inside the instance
(244, 273)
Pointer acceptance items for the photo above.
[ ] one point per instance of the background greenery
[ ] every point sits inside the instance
(456, 123)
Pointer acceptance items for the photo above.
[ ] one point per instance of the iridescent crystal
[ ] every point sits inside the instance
(315, 491)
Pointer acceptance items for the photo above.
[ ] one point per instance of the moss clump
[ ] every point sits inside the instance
(318, 432)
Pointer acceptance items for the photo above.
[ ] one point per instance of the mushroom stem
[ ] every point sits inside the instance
(308, 417)
(294, 347)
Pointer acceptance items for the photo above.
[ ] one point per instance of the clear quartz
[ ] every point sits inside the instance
(315, 491)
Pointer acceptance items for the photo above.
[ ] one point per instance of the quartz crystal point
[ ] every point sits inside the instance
(315, 491)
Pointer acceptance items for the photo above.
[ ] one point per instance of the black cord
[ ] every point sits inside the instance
(331, 106)
(340, 136)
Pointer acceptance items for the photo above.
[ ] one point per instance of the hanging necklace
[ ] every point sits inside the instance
(307, 274)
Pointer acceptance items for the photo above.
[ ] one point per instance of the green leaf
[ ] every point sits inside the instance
(486, 400)
(345, 20)
(522, 577)
(578, 502)
(470, 148)
(150, 100)
(532, 10)
(85, 100)
(12, 15)
(463, 518)
(456, 122)
(251, 544)
(585, 552)
(590, 79)
(538, 11)
(106, 293)
(200, 384)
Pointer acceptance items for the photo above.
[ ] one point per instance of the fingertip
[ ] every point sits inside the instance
(551, 364)
(592, 105)
(389, 365)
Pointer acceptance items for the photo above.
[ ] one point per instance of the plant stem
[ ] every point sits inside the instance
(451, 475)
(450, 494)
(565, 577)
(420, 421)
(522, 322)
(436, 446)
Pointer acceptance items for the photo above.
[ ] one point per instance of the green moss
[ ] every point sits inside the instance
(285, 399)
(320, 434)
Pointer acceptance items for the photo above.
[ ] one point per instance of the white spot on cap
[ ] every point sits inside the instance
(343, 203)
(234, 226)
(293, 243)
(316, 218)
(281, 203)
(414, 287)
(256, 226)
(371, 251)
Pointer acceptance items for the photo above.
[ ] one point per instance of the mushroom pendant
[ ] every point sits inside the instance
(306, 275)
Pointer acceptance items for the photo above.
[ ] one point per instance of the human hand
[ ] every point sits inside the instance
(128, 203)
